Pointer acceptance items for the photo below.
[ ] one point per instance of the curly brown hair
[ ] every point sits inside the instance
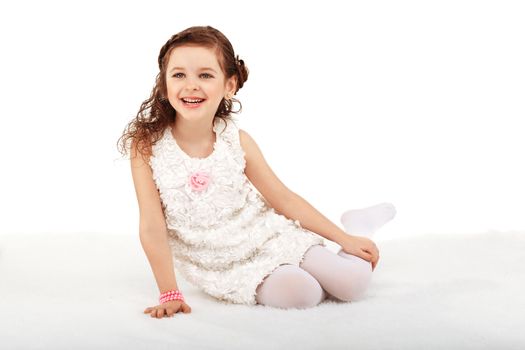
(156, 113)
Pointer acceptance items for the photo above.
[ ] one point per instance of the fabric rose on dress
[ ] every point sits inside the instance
(199, 181)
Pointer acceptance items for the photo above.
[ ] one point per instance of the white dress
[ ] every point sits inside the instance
(223, 236)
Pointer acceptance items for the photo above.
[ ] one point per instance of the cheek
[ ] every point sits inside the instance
(172, 88)
(216, 91)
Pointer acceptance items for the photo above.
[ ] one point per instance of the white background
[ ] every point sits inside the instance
(416, 103)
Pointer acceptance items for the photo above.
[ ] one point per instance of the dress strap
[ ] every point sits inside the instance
(231, 137)
(228, 131)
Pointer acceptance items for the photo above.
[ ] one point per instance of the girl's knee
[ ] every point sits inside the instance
(302, 289)
(310, 295)
(290, 287)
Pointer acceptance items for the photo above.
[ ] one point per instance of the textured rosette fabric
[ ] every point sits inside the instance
(199, 181)
(223, 236)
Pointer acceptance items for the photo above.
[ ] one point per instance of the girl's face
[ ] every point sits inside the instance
(194, 72)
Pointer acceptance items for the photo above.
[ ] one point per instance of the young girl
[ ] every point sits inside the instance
(212, 207)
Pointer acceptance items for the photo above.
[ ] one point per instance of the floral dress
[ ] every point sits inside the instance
(224, 237)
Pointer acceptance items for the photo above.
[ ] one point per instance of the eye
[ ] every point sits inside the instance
(176, 75)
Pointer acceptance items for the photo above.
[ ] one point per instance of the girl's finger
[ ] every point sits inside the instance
(186, 308)
(367, 256)
(373, 254)
(375, 263)
(366, 250)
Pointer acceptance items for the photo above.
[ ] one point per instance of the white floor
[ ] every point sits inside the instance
(429, 292)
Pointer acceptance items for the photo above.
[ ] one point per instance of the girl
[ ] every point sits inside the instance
(212, 207)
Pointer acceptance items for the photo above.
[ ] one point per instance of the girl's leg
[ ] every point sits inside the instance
(289, 286)
(341, 275)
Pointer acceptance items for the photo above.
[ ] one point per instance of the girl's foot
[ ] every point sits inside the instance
(366, 221)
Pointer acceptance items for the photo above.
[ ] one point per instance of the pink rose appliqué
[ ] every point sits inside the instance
(199, 181)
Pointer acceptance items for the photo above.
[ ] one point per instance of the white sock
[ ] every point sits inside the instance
(366, 221)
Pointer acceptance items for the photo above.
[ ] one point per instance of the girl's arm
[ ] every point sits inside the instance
(297, 208)
(155, 245)
(152, 227)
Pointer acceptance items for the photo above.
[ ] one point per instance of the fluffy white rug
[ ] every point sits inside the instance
(428, 292)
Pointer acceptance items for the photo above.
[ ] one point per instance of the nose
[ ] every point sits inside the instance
(191, 84)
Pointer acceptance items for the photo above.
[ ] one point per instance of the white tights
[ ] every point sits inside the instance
(320, 274)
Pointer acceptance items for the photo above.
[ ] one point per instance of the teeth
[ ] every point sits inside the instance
(191, 101)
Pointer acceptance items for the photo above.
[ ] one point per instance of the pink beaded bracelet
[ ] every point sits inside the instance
(170, 295)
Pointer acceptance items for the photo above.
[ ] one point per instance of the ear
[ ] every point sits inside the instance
(231, 84)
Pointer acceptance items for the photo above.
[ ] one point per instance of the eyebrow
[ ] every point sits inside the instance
(203, 68)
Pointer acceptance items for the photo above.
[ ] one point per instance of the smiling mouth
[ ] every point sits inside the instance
(192, 101)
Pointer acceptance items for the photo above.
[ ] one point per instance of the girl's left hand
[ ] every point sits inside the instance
(362, 247)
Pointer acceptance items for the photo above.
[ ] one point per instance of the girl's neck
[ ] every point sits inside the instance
(195, 133)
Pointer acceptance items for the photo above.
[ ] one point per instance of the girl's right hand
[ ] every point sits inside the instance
(168, 309)
(362, 247)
